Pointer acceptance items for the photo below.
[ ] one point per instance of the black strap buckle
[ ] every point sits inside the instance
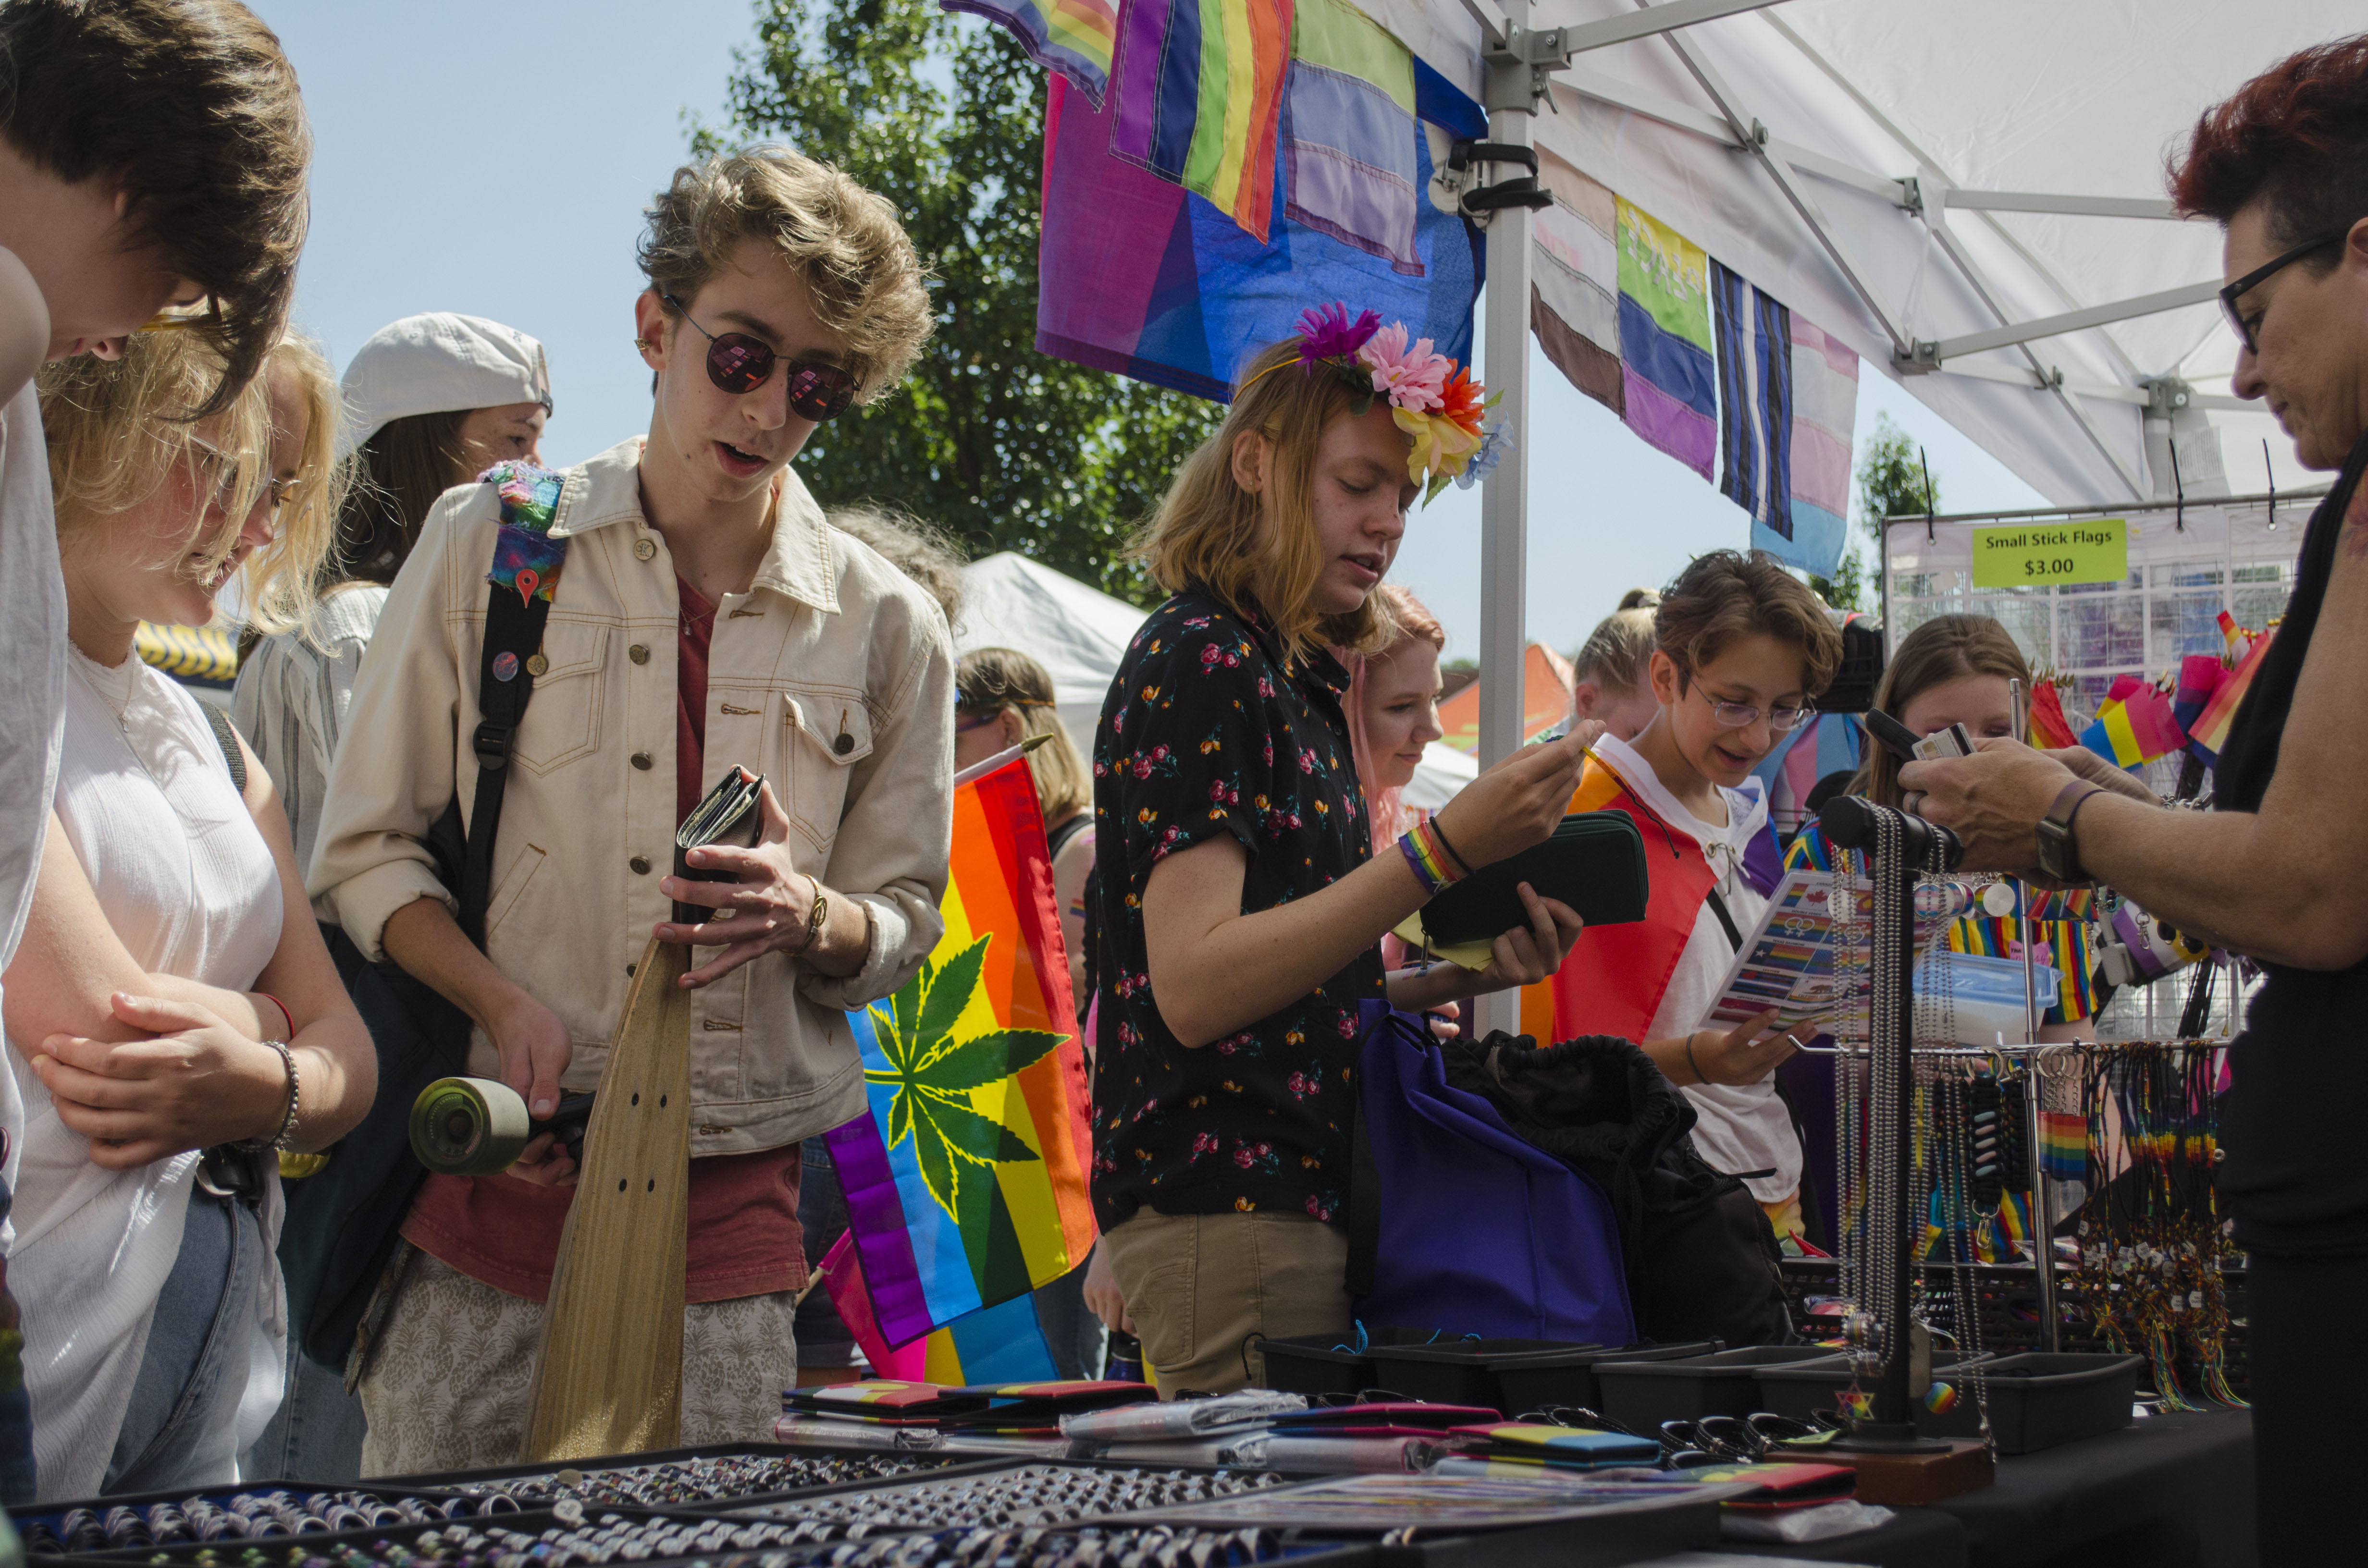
(492, 745)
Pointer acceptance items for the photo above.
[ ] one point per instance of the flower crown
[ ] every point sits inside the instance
(1432, 400)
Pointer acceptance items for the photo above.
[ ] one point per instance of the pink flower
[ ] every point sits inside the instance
(1327, 333)
(1210, 653)
(1143, 767)
(1159, 754)
(1414, 378)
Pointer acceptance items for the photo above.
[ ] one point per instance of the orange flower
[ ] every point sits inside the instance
(1463, 402)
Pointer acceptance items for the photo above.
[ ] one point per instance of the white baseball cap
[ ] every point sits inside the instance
(435, 363)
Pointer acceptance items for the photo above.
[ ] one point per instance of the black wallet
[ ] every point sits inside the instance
(1594, 862)
(728, 815)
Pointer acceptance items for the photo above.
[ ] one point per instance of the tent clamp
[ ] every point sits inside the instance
(2166, 395)
(1518, 67)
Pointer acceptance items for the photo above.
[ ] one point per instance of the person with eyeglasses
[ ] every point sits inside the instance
(1741, 650)
(2274, 870)
(704, 615)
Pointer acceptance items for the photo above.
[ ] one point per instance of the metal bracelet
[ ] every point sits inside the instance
(287, 1131)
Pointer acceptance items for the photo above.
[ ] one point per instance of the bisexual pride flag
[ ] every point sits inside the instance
(966, 1181)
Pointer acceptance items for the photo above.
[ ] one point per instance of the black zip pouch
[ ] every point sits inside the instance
(1594, 862)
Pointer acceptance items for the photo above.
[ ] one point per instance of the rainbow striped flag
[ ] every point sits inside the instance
(1076, 38)
(1004, 1343)
(966, 1181)
(2050, 730)
(1199, 89)
(2210, 731)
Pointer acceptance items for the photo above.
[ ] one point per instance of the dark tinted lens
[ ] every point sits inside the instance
(738, 364)
(820, 392)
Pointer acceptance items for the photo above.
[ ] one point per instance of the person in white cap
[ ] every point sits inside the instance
(432, 401)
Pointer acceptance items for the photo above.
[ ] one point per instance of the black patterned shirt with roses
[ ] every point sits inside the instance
(1204, 734)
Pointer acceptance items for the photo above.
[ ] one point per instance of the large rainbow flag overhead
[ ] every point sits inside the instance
(966, 1182)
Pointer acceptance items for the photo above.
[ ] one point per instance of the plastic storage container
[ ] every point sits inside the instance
(1567, 1377)
(1640, 1396)
(1985, 995)
(1458, 1372)
(2042, 1401)
(1814, 1387)
(1328, 1363)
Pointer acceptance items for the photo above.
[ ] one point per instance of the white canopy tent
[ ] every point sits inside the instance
(1079, 633)
(1968, 192)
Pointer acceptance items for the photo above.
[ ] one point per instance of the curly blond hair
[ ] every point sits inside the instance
(844, 242)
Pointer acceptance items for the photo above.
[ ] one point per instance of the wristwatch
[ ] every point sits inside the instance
(2059, 856)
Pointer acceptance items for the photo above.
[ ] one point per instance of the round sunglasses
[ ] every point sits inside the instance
(737, 363)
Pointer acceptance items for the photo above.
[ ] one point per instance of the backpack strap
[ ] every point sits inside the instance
(524, 576)
(226, 737)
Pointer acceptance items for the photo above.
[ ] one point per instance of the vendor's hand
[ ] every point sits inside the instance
(1527, 954)
(196, 1083)
(1992, 801)
(1102, 1297)
(1515, 803)
(1744, 1054)
(535, 1048)
(767, 910)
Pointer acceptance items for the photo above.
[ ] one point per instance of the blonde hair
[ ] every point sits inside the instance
(1206, 533)
(844, 242)
(1946, 648)
(117, 430)
(918, 550)
(991, 680)
(1618, 654)
(1385, 810)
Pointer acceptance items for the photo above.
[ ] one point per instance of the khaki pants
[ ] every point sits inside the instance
(1201, 1286)
(447, 1383)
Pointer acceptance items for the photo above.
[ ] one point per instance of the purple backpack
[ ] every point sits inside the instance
(1459, 1226)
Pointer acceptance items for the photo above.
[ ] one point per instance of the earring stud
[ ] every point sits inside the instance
(641, 343)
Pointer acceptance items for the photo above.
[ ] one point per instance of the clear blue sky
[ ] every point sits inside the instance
(494, 157)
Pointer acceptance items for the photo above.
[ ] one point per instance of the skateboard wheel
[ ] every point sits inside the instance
(469, 1126)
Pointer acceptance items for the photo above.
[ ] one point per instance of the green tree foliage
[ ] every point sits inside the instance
(1004, 447)
(1892, 482)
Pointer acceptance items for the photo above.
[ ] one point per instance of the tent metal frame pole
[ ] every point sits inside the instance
(1504, 494)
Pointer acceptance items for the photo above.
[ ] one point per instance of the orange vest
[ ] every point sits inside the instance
(1612, 980)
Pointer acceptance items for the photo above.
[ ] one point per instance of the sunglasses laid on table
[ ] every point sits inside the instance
(737, 363)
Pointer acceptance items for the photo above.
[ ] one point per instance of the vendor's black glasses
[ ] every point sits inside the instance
(737, 363)
(2234, 292)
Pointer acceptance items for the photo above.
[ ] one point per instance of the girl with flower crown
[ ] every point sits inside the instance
(1241, 901)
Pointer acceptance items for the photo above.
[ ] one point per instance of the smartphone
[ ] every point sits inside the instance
(1890, 734)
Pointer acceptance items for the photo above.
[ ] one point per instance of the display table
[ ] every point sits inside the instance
(2165, 1492)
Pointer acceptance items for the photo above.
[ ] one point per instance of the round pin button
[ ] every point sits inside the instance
(644, 548)
(537, 664)
(642, 760)
(639, 652)
(641, 865)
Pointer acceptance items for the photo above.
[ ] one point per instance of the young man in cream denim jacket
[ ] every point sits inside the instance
(695, 559)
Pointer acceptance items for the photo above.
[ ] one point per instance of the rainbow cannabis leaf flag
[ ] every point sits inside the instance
(1002, 1343)
(966, 1181)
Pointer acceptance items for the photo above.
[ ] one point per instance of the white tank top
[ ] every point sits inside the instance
(187, 881)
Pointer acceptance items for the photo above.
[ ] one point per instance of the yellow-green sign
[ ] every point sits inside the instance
(2032, 555)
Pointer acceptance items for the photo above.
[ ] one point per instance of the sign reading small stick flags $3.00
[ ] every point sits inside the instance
(2047, 555)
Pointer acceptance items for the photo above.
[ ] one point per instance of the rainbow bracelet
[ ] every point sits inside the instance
(1433, 865)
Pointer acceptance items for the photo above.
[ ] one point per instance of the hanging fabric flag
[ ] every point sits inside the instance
(1667, 381)
(1755, 401)
(1348, 131)
(966, 1179)
(1076, 38)
(1137, 276)
(1825, 416)
(2210, 731)
(1574, 280)
(1200, 86)
(1000, 1343)
(1828, 744)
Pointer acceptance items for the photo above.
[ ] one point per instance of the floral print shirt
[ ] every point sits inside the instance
(1203, 733)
